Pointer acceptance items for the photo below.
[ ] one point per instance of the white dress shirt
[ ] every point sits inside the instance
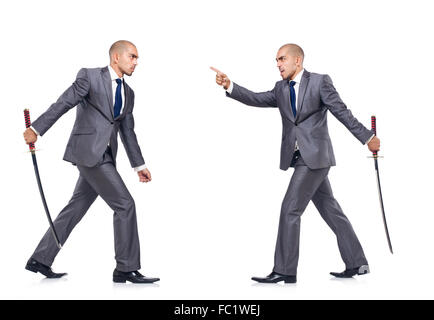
(113, 77)
(297, 80)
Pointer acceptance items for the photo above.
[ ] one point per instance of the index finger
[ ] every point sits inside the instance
(216, 70)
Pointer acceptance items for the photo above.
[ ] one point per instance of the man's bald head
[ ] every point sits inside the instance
(119, 47)
(293, 50)
(290, 60)
(123, 57)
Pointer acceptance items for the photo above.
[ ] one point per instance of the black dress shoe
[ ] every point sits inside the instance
(349, 273)
(132, 276)
(35, 266)
(275, 277)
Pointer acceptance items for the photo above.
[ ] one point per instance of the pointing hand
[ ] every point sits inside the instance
(221, 79)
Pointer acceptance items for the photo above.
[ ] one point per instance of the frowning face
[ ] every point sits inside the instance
(287, 64)
(127, 60)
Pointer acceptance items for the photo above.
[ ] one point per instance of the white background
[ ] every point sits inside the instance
(208, 220)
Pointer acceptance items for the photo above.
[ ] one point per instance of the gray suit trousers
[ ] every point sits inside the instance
(306, 185)
(105, 181)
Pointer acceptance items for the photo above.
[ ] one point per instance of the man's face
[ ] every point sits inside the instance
(127, 60)
(286, 63)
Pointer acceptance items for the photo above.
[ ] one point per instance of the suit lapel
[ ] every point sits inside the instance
(302, 91)
(287, 102)
(107, 81)
(127, 100)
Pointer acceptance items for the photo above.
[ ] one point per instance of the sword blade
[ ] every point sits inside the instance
(44, 202)
(382, 206)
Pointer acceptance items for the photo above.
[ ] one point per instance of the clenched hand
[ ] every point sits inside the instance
(144, 175)
(30, 136)
(374, 144)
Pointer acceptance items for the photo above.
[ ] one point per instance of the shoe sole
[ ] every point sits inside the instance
(348, 276)
(271, 282)
(341, 276)
(363, 270)
(124, 280)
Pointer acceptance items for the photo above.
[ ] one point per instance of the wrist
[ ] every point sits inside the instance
(228, 84)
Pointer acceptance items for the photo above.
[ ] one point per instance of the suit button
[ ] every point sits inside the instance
(111, 122)
(295, 124)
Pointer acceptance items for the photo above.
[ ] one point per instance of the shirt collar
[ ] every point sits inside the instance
(297, 79)
(113, 74)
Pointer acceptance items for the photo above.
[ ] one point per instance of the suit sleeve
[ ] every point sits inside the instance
(330, 98)
(69, 99)
(129, 139)
(262, 99)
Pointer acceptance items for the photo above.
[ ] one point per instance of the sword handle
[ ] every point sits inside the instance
(28, 124)
(374, 129)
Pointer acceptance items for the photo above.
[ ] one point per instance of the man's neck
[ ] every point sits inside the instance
(296, 73)
(116, 69)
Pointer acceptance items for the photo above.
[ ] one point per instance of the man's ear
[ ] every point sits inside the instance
(298, 61)
(115, 57)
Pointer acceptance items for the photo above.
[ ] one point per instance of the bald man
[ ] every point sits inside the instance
(303, 99)
(105, 105)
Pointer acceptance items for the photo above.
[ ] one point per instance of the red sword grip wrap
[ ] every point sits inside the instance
(374, 130)
(28, 124)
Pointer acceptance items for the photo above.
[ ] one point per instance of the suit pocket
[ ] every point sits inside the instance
(83, 130)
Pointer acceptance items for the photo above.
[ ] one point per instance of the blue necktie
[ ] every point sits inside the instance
(292, 97)
(118, 99)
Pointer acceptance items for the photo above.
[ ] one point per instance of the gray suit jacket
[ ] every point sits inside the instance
(94, 126)
(309, 128)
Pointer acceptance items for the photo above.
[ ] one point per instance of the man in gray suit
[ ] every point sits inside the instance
(303, 99)
(105, 105)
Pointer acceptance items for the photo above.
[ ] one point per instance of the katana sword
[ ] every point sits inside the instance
(375, 156)
(38, 179)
